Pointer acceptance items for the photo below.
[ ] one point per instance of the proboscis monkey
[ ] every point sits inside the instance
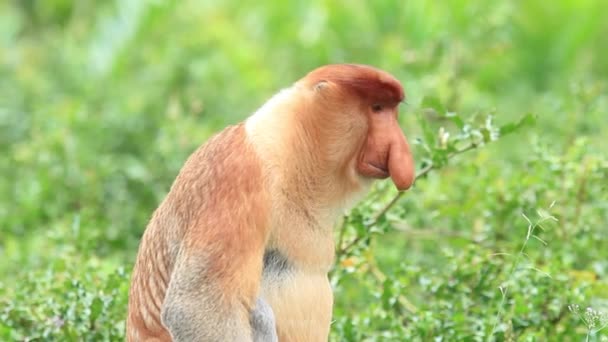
(240, 248)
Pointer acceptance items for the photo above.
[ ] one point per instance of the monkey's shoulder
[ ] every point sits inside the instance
(221, 186)
(226, 160)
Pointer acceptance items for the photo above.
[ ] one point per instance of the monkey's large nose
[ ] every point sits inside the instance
(401, 163)
(373, 170)
(386, 151)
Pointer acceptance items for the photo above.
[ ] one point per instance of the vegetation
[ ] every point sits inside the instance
(503, 237)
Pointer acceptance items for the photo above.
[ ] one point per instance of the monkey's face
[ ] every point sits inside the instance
(385, 151)
(361, 104)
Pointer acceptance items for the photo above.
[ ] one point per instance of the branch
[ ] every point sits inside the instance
(421, 174)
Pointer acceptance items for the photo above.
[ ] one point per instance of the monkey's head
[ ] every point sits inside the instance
(360, 104)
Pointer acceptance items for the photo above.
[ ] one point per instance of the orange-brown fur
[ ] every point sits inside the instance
(277, 181)
(192, 219)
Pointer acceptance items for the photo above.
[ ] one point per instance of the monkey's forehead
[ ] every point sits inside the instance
(366, 80)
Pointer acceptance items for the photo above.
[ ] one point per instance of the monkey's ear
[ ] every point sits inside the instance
(319, 86)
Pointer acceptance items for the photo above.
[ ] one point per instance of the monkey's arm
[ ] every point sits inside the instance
(188, 321)
(263, 322)
(200, 308)
(215, 282)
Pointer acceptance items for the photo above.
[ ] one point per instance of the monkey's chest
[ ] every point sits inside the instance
(300, 298)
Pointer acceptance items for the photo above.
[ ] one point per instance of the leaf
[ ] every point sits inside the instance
(456, 119)
(96, 308)
(527, 120)
(440, 158)
(434, 103)
(387, 294)
(429, 135)
(486, 135)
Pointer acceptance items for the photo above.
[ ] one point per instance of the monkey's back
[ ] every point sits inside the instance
(198, 215)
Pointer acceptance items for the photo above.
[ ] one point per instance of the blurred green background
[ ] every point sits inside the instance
(102, 101)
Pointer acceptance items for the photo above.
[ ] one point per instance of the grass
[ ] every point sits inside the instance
(101, 102)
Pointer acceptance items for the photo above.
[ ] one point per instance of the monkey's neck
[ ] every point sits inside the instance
(308, 192)
(296, 145)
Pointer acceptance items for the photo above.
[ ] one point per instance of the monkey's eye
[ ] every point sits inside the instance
(376, 107)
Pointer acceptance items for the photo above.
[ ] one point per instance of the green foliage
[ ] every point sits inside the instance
(66, 303)
(503, 236)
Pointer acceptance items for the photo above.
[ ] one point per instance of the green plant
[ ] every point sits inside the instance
(101, 102)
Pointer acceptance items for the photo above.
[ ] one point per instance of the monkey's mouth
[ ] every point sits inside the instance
(373, 170)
